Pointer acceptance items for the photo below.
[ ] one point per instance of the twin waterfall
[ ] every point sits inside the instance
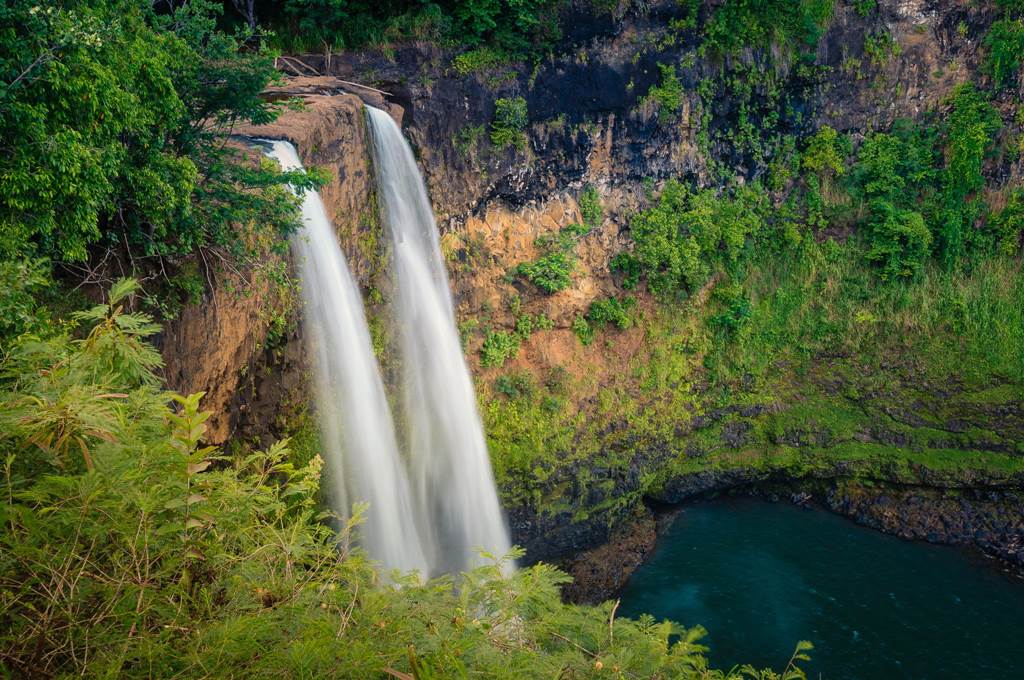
(433, 506)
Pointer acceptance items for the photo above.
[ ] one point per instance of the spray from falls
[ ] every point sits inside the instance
(450, 468)
(357, 432)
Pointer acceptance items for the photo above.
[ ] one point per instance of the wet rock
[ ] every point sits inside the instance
(736, 434)
(991, 521)
(601, 572)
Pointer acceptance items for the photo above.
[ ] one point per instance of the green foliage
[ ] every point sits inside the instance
(784, 165)
(323, 19)
(736, 310)
(1004, 46)
(525, 27)
(590, 207)
(822, 299)
(678, 241)
(510, 120)
(762, 23)
(467, 139)
(667, 95)
(479, 59)
(112, 114)
(629, 266)
(612, 310)
(498, 347)
(1007, 226)
(306, 25)
(865, 7)
(749, 113)
(583, 330)
(971, 128)
(825, 153)
(881, 48)
(518, 385)
(900, 240)
(551, 273)
(900, 166)
(824, 158)
(21, 282)
(913, 199)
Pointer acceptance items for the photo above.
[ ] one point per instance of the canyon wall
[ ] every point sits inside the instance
(591, 126)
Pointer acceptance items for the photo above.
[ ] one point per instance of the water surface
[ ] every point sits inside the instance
(759, 576)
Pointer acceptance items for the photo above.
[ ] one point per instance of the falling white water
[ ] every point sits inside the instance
(451, 471)
(355, 422)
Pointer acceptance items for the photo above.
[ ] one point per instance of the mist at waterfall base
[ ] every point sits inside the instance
(406, 526)
(760, 576)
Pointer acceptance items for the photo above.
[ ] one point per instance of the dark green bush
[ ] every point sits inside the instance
(551, 273)
(518, 385)
(970, 134)
(120, 115)
(735, 310)
(1007, 226)
(683, 236)
(667, 94)
(510, 120)
(630, 268)
(498, 347)
(1005, 51)
(865, 7)
(908, 190)
(20, 311)
(899, 240)
(612, 310)
(787, 24)
(590, 207)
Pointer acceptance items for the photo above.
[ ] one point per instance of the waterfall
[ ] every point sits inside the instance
(435, 508)
(453, 482)
(357, 432)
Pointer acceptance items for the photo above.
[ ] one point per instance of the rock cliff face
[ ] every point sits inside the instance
(589, 125)
(251, 387)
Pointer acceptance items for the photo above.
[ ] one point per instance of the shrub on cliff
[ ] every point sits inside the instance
(970, 134)
(899, 240)
(498, 347)
(1005, 51)
(612, 310)
(551, 273)
(590, 207)
(667, 95)
(787, 24)
(1006, 227)
(510, 120)
(684, 236)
